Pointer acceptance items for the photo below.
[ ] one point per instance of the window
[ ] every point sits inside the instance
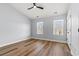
(58, 27)
(39, 27)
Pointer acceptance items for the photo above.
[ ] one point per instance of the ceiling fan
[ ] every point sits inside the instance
(35, 6)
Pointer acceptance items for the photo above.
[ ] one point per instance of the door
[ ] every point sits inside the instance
(69, 30)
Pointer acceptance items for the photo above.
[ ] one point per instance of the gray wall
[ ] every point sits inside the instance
(13, 26)
(48, 28)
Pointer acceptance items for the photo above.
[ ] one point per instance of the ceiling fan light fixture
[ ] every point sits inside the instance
(34, 6)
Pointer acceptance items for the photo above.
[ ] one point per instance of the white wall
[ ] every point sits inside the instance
(13, 26)
(74, 12)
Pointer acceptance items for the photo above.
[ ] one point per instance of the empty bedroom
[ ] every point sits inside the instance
(39, 29)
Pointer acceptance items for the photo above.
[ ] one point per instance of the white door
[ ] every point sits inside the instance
(69, 28)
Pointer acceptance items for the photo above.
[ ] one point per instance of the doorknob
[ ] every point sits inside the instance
(78, 29)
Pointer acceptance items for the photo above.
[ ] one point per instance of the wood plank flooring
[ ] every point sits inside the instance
(35, 47)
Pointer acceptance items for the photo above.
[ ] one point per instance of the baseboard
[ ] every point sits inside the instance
(26, 38)
(72, 53)
(49, 40)
(21, 39)
(71, 50)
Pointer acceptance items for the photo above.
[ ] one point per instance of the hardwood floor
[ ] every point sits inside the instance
(34, 47)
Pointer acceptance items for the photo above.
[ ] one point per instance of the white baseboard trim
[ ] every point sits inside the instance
(71, 50)
(72, 53)
(50, 40)
(26, 38)
(21, 39)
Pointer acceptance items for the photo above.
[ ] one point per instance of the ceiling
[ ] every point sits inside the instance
(50, 9)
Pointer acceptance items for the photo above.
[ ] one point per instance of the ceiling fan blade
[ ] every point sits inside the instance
(39, 7)
(30, 8)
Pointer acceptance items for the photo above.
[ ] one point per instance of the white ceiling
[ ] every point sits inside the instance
(49, 9)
